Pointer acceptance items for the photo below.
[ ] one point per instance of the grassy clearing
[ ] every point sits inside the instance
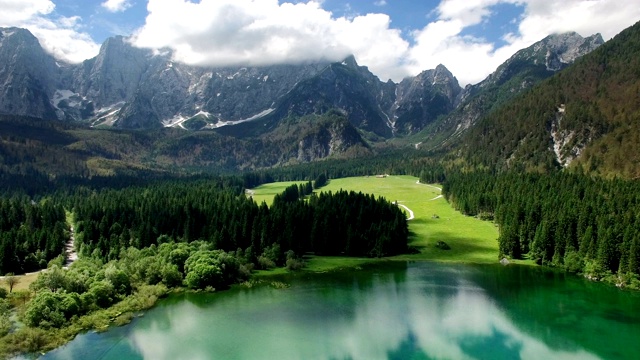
(326, 263)
(266, 192)
(471, 240)
(23, 282)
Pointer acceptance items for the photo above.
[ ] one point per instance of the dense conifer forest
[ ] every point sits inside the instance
(329, 224)
(216, 211)
(583, 224)
(31, 234)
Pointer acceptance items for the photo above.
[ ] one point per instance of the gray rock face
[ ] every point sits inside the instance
(27, 75)
(553, 53)
(112, 76)
(171, 93)
(133, 88)
(420, 100)
(382, 109)
(327, 140)
(345, 86)
(524, 69)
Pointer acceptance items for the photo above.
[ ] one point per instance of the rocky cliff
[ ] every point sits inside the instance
(133, 88)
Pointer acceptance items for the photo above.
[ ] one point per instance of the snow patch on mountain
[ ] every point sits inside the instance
(107, 115)
(7, 33)
(175, 121)
(73, 99)
(236, 122)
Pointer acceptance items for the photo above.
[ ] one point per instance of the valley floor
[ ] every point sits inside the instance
(432, 219)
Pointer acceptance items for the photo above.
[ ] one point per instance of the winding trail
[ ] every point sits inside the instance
(435, 187)
(70, 249)
(411, 215)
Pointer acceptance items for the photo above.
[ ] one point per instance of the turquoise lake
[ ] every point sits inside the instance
(394, 310)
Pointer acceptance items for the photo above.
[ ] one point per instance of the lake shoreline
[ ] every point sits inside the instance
(118, 316)
(318, 302)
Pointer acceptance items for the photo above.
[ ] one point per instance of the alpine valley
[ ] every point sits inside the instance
(132, 108)
(322, 196)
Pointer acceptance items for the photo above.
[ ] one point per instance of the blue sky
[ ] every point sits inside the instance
(394, 38)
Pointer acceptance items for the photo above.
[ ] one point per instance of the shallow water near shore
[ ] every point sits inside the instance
(394, 310)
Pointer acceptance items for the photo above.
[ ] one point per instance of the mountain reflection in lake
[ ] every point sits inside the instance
(394, 311)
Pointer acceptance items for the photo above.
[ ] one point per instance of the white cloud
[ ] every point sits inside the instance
(472, 59)
(380, 3)
(262, 32)
(61, 38)
(116, 5)
(59, 35)
(19, 11)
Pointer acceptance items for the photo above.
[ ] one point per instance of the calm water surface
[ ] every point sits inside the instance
(391, 311)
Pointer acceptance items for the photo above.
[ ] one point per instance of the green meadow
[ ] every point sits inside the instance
(470, 240)
(266, 192)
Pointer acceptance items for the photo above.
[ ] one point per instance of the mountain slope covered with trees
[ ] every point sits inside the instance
(582, 224)
(586, 116)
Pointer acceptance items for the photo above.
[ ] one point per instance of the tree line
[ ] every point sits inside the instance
(110, 221)
(31, 234)
(583, 224)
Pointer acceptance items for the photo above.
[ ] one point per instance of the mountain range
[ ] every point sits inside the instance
(132, 88)
(249, 117)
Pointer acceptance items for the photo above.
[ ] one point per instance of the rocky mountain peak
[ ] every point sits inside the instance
(421, 99)
(27, 75)
(350, 61)
(563, 49)
(551, 54)
(523, 70)
(443, 75)
(17, 36)
(129, 87)
(115, 74)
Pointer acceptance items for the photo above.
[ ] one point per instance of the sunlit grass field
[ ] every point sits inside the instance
(23, 282)
(266, 192)
(471, 240)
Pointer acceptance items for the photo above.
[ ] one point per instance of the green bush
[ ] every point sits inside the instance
(103, 293)
(51, 309)
(5, 322)
(293, 263)
(203, 269)
(119, 279)
(265, 263)
(594, 270)
(171, 276)
(573, 262)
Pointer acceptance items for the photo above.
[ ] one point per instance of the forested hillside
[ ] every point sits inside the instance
(522, 71)
(586, 116)
(38, 148)
(582, 224)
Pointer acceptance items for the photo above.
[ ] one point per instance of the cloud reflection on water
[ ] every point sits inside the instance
(454, 320)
